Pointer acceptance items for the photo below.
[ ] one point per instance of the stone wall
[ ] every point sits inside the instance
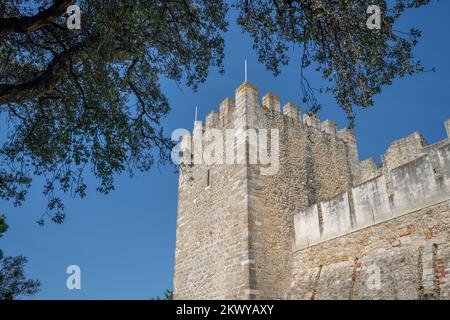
(415, 185)
(313, 165)
(211, 234)
(407, 257)
(324, 225)
(386, 241)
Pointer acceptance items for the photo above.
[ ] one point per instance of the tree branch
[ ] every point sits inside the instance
(48, 79)
(29, 24)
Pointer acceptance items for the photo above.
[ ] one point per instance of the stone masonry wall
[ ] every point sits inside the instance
(211, 234)
(313, 165)
(410, 255)
(414, 185)
(324, 226)
(389, 240)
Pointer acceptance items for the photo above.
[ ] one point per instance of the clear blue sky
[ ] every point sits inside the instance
(124, 242)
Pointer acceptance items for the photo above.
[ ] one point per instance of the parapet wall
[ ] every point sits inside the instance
(310, 229)
(414, 185)
(413, 174)
(248, 110)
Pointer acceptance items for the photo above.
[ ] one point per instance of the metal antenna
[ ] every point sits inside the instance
(195, 113)
(246, 70)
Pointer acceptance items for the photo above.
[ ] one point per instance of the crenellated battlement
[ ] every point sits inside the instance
(322, 215)
(411, 170)
(414, 175)
(248, 112)
(246, 106)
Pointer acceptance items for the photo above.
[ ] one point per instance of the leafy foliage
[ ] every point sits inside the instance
(3, 225)
(90, 99)
(12, 278)
(13, 283)
(168, 295)
(355, 61)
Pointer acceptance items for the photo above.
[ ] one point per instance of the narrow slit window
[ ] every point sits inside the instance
(208, 178)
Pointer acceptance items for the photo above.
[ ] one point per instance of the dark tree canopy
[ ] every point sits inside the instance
(167, 295)
(356, 61)
(13, 283)
(90, 99)
(3, 225)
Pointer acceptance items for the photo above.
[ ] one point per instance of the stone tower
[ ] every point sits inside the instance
(312, 228)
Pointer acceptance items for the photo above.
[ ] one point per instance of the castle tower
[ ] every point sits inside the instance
(212, 251)
(293, 213)
(235, 229)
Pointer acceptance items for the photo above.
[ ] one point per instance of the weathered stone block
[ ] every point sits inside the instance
(312, 120)
(447, 127)
(329, 127)
(226, 106)
(324, 226)
(212, 119)
(271, 102)
(292, 111)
